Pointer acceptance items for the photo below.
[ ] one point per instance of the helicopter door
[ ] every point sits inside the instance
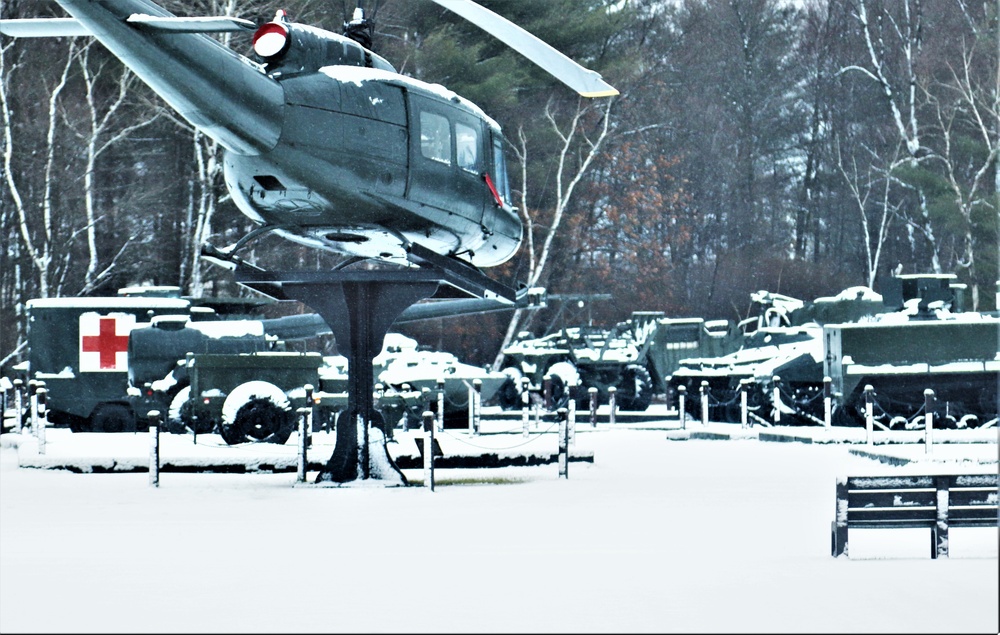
(447, 163)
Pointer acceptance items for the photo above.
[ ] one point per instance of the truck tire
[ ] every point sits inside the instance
(509, 394)
(178, 411)
(112, 417)
(565, 379)
(258, 411)
(635, 390)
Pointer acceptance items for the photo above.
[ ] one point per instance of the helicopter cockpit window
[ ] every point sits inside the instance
(467, 144)
(435, 137)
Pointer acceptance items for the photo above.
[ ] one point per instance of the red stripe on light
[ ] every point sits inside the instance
(493, 189)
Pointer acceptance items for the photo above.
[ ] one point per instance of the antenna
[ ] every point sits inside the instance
(359, 28)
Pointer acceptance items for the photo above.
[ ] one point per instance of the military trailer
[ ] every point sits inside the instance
(246, 396)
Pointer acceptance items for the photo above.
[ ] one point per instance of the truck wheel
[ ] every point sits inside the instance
(635, 391)
(509, 394)
(112, 417)
(178, 411)
(256, 410)
(565, 378)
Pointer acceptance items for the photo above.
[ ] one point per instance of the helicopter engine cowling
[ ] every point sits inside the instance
(287, 47)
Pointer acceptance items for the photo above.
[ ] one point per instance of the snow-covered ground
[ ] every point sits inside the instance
(656, 535)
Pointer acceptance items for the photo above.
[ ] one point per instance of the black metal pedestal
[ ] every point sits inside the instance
(359, 307)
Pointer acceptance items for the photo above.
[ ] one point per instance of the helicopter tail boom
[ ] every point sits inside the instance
(223, 94)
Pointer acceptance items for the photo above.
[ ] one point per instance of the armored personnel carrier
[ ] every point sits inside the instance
(636, 357)
(913, 337)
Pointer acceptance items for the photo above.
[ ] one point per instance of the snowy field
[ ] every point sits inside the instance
(656, 535)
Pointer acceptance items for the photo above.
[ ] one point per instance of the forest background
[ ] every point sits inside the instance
(800, 147)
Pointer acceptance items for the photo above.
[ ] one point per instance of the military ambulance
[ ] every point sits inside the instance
(79, 348)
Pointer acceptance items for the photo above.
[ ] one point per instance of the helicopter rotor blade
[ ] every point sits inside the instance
(67, 27)
(584, 81)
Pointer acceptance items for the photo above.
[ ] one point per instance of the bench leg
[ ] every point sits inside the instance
(939, 533)
(939, 540)
(838, 534)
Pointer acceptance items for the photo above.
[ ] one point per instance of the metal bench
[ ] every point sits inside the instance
(937, 502)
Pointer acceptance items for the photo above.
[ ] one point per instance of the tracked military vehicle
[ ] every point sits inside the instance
(636, 357)
(928, 342)
(900, 343)
(783, 339)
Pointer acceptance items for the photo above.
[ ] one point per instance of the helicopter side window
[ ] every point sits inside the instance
(435, 137)
(467, 144)
(500, 165)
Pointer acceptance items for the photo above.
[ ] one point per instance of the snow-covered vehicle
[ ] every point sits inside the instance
(912, 338)
(79, 348)
(404, 369)
(636, 357)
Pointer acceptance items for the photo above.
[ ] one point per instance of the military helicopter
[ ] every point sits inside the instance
(326, 144)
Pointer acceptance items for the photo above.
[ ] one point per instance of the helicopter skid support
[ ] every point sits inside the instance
(359, 307)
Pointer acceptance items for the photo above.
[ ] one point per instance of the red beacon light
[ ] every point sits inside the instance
(271, 39)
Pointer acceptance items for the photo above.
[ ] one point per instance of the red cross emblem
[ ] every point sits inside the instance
(104, 342)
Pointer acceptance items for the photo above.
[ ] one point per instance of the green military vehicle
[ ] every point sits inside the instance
(636, 357)
(79, 348)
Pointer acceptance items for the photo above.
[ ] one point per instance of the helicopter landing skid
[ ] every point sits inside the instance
(359, 307)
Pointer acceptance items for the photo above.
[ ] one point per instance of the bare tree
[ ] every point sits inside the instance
(570, 170)
(870, 188)
(37, 242)
(99, 135)
(893, 41)
(963, 108)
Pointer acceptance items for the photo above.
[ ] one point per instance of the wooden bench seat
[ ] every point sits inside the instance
(936, 502)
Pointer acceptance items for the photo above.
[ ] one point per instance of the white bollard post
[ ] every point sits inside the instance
(743, 404)
(827, 402)
(869, 415)
(428, 417)
(300, 474)
(18, 406)
(704, 402)
(42, 417)
(154, 448)
(775, 400)
(682, 412)
(440, 412)
(928, 420)
(476, 403)
(563, 444)
(611, 405)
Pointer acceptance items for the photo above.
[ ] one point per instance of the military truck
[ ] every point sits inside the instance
(108, 361)
(79, 348)
(636, 357)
